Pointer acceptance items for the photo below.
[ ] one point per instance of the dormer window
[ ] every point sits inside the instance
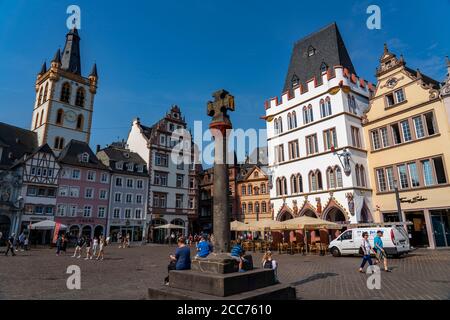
(119, 165)
(140, 168)
(84, 157)
(130, 166)
(126, 155)
(295, 81)
(311, 51)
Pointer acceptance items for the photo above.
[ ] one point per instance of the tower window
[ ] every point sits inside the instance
(59, 143)
(80, 122)
(59, 116)
(65, 93)
(40, 97)
(45, 92)
(323, 67)
(79, 101)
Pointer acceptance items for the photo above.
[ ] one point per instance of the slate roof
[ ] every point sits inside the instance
(70, 156)
(329, 49)
(71, 59)
(113, 154)
(426, 79)
(16, 143)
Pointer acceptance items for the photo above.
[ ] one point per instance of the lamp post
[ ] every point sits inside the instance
(397, 198)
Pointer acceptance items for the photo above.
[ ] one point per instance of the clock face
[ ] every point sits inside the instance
(70, 116)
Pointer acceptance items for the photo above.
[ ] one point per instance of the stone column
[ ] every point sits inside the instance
(219, 126)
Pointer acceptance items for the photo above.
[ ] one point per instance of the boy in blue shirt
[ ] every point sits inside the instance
(379, 250)
(237, 253)
(203, 248)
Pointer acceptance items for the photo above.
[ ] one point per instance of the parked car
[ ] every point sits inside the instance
(395, 241)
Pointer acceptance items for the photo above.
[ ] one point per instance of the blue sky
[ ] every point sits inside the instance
(152, 54)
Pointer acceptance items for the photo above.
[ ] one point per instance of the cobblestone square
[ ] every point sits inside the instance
(127, 274)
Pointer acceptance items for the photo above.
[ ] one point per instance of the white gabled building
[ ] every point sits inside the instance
(318, 117)
(169, 196)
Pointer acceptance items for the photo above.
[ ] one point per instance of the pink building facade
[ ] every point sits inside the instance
(83, 192)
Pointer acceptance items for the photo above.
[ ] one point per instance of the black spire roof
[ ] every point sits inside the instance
(43, 68)
(57, 57)
(314, 54)
(71, 60)
(94, 71)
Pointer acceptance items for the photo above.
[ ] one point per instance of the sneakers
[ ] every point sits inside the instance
(86, 258)
(78, 257)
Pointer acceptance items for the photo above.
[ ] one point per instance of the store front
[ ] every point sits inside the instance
(441, 222)
(418, 229)
(125, 227)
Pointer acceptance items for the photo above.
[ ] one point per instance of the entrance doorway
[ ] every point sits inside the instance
(5, 226)
(418, 230)
(86, 231)
(98, 231)
(441, 227)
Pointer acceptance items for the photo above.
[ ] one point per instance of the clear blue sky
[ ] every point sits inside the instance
(152, 54)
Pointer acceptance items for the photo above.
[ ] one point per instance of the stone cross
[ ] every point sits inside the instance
(219, 125)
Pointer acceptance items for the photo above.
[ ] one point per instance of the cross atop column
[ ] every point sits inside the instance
(218, 109)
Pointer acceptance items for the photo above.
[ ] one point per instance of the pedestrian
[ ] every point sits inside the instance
(25, 243)
(237, 253)
(203, 248)
(379, 250)
(119, 239)
(172, 237)
(21, 241)
(10, 245)
(79, 247)
(95, 246)
(181, 260)
(128, 240)
(101, 252)
(365, 249)
(88, 248)
(191, 239)
(269, 263)
(58, 245)
(64, 241)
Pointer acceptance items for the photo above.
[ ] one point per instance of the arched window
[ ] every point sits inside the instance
(263, 207)
(256, 207)
(294, 185)
(263, 188)
(280, 125)
(362, 174)
(284, 186)
(278, 185)
(249, 190)
(42, 118)
(300, 183)
(46, 92)
(41, 92)
(256, 190)
(250, 207)
(79, 100)
(80, 122)
(315, 180)
(339, 177)
(59, 116)
(325, 107)
(36, 121)
(331, 178)
(243, 190)
(59, 143)
(358, 178)
(275, 126)
(294, 119)
(308, 114)
(289, 121)
(244, 208)
(351, 104)
(65, 93)
(354, 105)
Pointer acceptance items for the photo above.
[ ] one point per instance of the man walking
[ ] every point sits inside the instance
(10, 245)
(379, 250)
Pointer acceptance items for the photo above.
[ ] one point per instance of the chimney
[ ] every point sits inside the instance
(98, 148)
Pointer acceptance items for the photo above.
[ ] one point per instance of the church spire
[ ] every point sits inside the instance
(94, 71)
(43, 68)
(71, 60)
(57, 57)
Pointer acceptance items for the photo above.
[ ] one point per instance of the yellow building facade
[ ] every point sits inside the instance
(407, 130)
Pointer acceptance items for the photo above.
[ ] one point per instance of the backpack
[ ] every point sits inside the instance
(268, 264)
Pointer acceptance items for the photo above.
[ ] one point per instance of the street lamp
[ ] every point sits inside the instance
(397, 198)
(344, 158)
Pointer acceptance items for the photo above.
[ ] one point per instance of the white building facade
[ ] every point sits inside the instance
(306, 130)
(169, 199)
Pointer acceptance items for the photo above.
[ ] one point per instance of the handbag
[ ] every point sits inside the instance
(361, 251)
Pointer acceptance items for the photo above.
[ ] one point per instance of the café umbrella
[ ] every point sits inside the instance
(170, 226)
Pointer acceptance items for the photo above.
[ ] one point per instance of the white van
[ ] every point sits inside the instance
(395, 241)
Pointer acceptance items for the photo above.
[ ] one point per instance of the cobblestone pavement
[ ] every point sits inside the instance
(127, 274)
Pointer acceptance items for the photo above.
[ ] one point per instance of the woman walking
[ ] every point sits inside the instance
(269, 263)
(365, 250)
(101, 252)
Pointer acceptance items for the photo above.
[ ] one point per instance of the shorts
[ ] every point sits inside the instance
(380, 255)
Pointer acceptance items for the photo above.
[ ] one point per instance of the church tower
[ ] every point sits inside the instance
(64, 98)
